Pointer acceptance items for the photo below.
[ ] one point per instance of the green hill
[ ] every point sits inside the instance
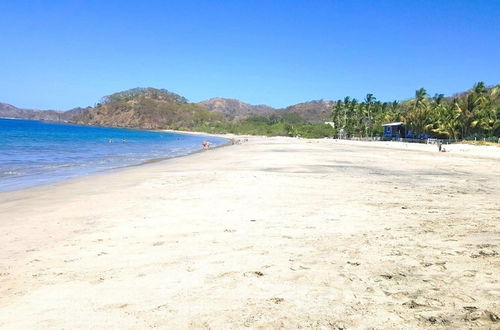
(148, 108)
(468, 115)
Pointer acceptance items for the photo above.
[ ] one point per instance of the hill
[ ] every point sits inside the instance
(148, 108)
(317, 111)
(235, 109)
(152, 108)
(471, 114)
(10, 111)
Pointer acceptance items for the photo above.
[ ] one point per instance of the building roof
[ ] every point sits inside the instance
(394, 124)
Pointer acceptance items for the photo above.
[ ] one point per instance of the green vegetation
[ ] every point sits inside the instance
(469, 115)
(152, 93)
(292, 125)
(147, 108)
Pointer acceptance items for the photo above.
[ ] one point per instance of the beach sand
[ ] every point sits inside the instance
(270, 233)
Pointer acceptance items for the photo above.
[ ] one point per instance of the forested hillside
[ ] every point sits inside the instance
(234, 109)
(148, 108)
(467, 115)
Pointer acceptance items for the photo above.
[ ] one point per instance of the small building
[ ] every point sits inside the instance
(394, 130)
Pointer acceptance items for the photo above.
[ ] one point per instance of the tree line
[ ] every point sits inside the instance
(472, 114)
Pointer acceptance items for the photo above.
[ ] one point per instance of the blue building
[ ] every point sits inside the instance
(394, 130)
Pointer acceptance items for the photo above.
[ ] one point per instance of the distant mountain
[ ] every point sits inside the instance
(314, 111)
(317, 111)
(233, 108)
(152, 108)
(10, 111)
(148, 108)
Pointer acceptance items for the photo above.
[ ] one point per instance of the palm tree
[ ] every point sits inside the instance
(417, 116)
(487, 116)
(347, 102)
(444, 120)
(369, 100)
(337, 110)
(470, 107)
(352, 120)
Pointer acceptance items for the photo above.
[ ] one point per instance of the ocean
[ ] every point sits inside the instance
(34, 153)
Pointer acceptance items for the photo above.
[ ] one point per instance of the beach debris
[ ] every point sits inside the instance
(253, 220)
(353, 263)
(253, 273)
(229, 230)
(432, 319)
(158, 243)
(277, 300)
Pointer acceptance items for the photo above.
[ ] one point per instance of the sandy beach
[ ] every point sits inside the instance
(268, 234)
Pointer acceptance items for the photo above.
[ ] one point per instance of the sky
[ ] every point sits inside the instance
(69, 53)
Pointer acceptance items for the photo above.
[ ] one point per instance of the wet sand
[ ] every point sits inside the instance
(270, 233)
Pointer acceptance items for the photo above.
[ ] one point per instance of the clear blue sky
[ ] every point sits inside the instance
(68, 53)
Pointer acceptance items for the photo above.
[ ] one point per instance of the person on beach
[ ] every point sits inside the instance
(439, 145)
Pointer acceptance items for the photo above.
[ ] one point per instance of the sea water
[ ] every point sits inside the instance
(34, 153)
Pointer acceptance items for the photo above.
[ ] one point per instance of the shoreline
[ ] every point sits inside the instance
(120, 167)
(274, 232)
(454, 149)
(106, 172)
